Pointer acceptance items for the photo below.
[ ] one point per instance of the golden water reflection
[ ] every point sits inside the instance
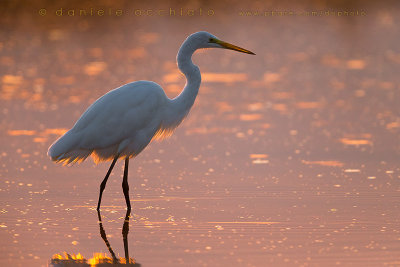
(39, 136)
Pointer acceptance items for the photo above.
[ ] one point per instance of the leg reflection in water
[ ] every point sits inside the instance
(104, 237)
(125, 231)
(99, 259)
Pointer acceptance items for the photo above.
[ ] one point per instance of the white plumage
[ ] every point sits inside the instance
(123, 122)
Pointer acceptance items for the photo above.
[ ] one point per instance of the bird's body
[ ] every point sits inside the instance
(121, 123)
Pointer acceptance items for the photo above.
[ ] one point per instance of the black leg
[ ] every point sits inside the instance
(125, 231)
(103, 184)
(125, 186)
(125, 228)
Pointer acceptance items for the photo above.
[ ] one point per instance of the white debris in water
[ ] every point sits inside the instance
(352, 170)
(260, 161)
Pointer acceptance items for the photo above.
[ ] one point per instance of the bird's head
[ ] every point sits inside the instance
(207, 40)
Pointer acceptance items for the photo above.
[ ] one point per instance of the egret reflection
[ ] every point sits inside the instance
(99, 259)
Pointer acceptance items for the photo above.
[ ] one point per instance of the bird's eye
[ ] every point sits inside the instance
(211, 40)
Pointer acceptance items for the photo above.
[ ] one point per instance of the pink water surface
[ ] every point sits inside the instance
(288, 158)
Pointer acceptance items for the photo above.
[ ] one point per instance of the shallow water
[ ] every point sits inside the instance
(288, 158)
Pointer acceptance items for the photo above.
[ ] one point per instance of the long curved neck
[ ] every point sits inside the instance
(180, 105)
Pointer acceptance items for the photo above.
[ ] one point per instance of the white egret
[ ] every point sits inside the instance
(121, 123)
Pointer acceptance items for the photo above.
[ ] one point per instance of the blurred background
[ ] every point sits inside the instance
(288, 158)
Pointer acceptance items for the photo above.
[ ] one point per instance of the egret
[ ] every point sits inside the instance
(121, 123)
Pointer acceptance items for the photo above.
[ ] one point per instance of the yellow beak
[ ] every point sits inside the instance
(233, 47)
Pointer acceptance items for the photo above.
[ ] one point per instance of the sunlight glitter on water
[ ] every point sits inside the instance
(331, 163)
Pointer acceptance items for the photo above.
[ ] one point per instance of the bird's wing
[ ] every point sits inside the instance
(121, 115)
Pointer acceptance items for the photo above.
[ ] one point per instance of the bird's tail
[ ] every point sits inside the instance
(66, 149)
